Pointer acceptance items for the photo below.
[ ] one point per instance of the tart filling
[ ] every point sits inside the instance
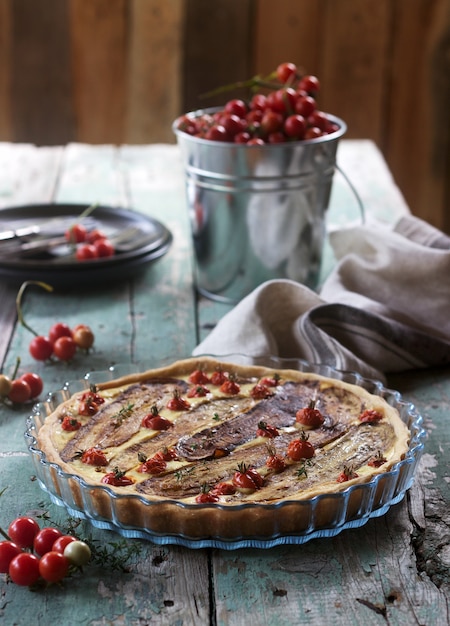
(204, 431)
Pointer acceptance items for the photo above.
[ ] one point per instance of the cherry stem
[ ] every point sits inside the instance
(256, 81)
(19, 301)
(16, 369)
(87, 211)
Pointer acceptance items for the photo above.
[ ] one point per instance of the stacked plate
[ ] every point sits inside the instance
(32, 244)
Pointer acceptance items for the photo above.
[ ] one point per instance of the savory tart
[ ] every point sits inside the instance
(210, 448)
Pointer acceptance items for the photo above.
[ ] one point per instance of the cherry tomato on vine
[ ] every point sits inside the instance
(44, 540)
(286, 72)
(295, 126)
(22, 531)
(35, 383)
(60, 544)
(60, 329)
(217, 133)
(83, 336)
(64, 348)
(41, 348)
(95, 235)
(104, 248)
(236, 107)
(78, 553)
(5, 385)
(309, 83)
(20, 391)
(76, 233)
(305, 105)
(86, 252)
(8, 550)
(53, 566)
(24, 569)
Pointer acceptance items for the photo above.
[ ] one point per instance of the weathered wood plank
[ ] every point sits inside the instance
(355, 40)
(154, 69)
(420, 120)
(99, 40)
(362, 576)
(41, 101)
(6, 129)
(292, 32)
(216, 49)
(27, 174)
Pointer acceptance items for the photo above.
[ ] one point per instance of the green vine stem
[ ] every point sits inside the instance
(253, 83)
(19, 301)
(2, 532)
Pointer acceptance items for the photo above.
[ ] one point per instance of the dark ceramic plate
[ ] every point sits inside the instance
(151, 241)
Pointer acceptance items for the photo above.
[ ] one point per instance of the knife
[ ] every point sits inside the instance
(56, 225)
(124, 241)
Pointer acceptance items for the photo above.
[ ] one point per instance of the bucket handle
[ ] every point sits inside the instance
(354, 191)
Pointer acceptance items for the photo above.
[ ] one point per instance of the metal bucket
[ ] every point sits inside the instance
(257, 212)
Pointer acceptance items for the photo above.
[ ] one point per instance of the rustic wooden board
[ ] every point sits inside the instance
(6, 128)
(355, 39)
(155, 58)
(217, 46)
(420, 120)
(289, 33)
(41, 104)
(98, 65)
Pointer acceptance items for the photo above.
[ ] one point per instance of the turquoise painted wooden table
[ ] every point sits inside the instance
(392, 571)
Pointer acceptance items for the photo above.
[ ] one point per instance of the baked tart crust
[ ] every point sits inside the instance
(209, 448)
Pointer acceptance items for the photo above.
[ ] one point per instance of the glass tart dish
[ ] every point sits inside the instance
(261, 524)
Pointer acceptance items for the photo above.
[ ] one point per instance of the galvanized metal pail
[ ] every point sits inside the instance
(257, 212)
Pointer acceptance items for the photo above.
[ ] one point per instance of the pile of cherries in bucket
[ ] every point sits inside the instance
(288, 112)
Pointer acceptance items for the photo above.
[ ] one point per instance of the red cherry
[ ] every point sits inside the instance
(41, 348)
(64, 348)
(60, 329)
(20, 391)
(35, 383)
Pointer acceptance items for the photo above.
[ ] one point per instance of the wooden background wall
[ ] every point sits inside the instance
(119, 71)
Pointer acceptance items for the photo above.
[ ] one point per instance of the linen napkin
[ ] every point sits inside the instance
(384, 308)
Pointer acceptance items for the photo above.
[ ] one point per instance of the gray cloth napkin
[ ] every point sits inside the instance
(384, 308)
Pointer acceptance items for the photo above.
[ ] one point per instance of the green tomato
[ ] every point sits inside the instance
(78, 553)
